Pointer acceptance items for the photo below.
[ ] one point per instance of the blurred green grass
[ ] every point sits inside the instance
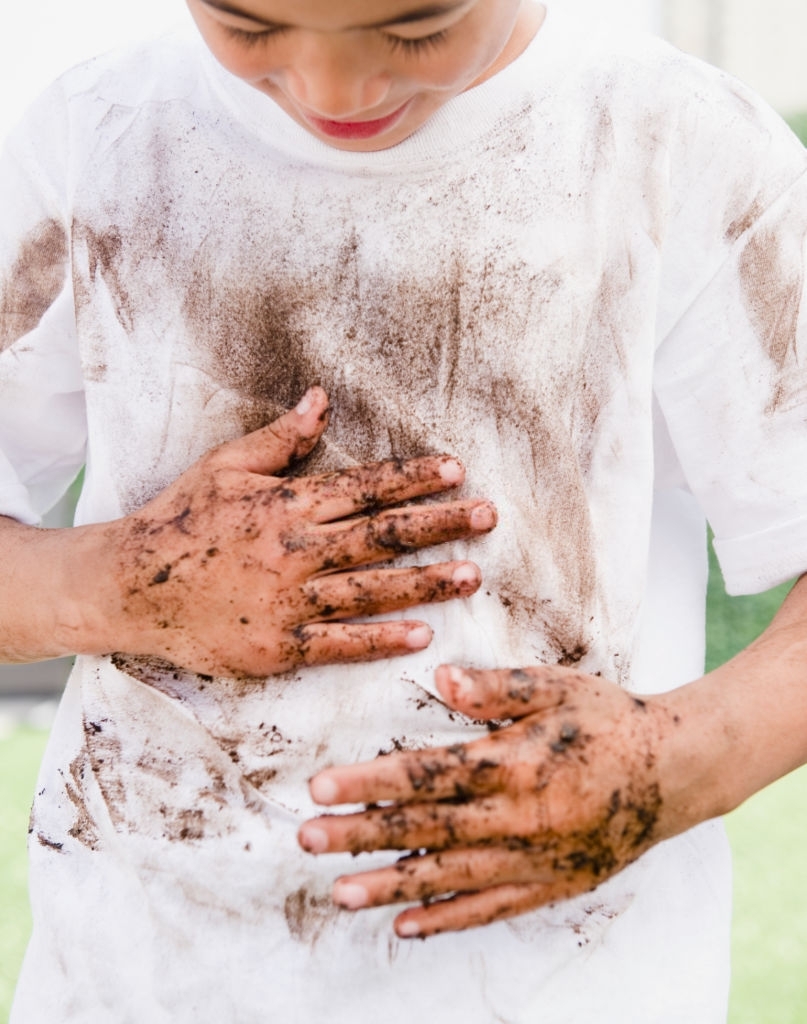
(798, 122)
(20, 753)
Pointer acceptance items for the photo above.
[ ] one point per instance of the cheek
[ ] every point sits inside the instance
(248, 64)
(460, 67)
(449, 73)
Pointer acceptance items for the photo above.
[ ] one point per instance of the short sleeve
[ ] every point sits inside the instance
(731, 372)
(42, 411)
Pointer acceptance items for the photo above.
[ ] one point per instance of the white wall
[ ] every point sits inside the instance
(764, 44)
(39, 40)
(643, 14)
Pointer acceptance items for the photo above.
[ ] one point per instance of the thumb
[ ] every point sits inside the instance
(503, 692)
(291, 436)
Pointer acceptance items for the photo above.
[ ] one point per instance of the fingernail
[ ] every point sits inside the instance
(306, 403)
(323, 790)
(460, 681)
(483, 517)
(418, 637)
(350, 895)
(407, 929)
(465, 575)
(452, 472)
(313, 839)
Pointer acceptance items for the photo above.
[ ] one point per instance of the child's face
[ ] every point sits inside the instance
(364, 74)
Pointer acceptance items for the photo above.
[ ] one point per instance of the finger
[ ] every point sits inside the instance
(373, 592)
(471, 910)
(433, 826)
(437, 773)
(506, 693)
(335, 496)
(291, 436)
(385, 535)
(337, 642)
(435, 875)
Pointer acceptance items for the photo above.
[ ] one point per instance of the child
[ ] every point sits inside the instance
(573, 262)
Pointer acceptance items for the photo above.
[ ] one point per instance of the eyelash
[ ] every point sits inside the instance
(247, 38)
(418, 45)
(396, 43)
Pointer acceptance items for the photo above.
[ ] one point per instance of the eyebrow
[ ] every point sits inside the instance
(418, 14)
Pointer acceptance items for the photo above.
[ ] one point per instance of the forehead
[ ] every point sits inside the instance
(339, 14)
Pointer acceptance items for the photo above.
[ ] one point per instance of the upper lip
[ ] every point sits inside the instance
(352, 120)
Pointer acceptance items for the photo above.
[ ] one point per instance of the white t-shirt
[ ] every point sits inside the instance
(584, 279)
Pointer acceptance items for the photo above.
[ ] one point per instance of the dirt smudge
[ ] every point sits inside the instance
(308, 915)
(625, 832)
(84, 829)
(744, 221)
(427, 339)
(34, 281)
(105, 251)
(772, 284)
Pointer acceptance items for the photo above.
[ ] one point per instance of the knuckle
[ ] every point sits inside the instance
(215, 457)
(281, 434)
(389, 533)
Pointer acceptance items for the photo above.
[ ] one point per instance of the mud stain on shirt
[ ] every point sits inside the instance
(173, 782)
(255, 759)
(36, 278)
(308, 915)
(740, 224)
(84, 829)
(772, 284)
(102, 260)
(410, 373)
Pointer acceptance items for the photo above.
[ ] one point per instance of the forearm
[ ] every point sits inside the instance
(744, 725)
(47, 582)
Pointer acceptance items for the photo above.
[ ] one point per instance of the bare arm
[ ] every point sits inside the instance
(233, 570)
(584, 781)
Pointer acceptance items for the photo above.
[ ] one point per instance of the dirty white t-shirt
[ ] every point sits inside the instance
(583, 278)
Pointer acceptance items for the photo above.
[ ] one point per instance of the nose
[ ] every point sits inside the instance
(331, 77)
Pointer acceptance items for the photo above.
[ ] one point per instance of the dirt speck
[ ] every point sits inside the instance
(50, 844)
(183, 824)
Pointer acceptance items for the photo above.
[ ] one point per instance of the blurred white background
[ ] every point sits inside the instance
(761, 43)
(43, 38)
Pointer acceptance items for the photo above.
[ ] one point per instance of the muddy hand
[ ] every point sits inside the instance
(540, 810)
(235, 571)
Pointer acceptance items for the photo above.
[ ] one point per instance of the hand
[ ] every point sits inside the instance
(540, 810)
(235, 571)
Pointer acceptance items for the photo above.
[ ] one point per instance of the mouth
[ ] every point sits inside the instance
(357, 129)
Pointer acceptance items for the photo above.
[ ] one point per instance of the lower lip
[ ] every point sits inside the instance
(357, 129)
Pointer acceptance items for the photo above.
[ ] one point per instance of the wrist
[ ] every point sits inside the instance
(87, 607)
(36, 621)
(734, 731)
(693, 756)
(55, 602)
